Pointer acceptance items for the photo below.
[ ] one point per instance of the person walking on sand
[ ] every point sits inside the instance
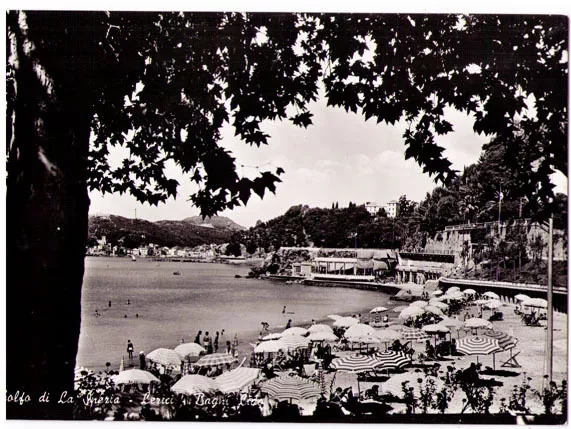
(130, 349)
(197, 338)
(235, 346)
(216, 339)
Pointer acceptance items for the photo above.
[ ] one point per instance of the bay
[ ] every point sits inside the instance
(154, 308)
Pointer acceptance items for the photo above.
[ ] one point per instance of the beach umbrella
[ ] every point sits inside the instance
(480, 301)
(521, 297)
(189, 349)
(322, 336)
(215, 359)
(535, 302)
(436, 293)
(345, 322)
(296, 330)
(193, 384)
(420, 303)
(451, 322)
(493, 304)
(135, 376)
(414, 334)
(452, 289)
(477, 322)
(478, 346)
(394, 385)
(290, 387)
(399, 308)
(273, 336)
(354, 363)
(410, 312)
(454, 295)
(505, 341)
(166, 357)
(469, 292)
(237, 379)
(392, 360)
(378, 309)
(294, 341)
(319, 328)
(334, 317)
(386, 335)
(365, 339)
(433, 310)
(435, 328)
(492, 295)
(358, 330)
(438, 304)
(271, 346)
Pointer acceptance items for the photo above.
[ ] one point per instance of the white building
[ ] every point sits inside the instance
(392, 208)
(372, 207)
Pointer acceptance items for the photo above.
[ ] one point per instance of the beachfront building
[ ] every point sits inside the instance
(392, 208)
(352, 264)
(417, 268)
(301, 269)
(373, 208)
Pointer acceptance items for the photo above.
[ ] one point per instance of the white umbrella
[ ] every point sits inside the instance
(273, 336)
(409, 312)
(454, 295)
(358, 330)
(365, 339)
(193, 384)
(439, 304)
(189, 349)
(493, 303)
(345, 322)
(452, 289)
(237, 379)
(521, 297)
(434, 310)
(476, 322)
(271, 346)
(480, 301)
(135, 376)
(451, 322)
(435, 328)
(387, 335)
(166, 357)
(535, 302)
(322, 336)
(436, 293)
(334, 316)
(469, 292)
(420, 303)
(296, 330)
(378, 309)
(319, 328)
(492, 295)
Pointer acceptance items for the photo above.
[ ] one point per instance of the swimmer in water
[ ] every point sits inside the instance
(284, 310)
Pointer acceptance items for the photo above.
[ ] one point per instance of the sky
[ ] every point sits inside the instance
(340, 158)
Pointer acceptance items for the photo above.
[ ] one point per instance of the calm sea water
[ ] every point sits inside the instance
(204, 296)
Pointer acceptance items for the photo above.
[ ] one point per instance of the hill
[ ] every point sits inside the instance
(185, 233)
(219, 222)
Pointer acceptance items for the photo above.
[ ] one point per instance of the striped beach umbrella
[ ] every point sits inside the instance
(189, 349)
(322, 336)
(166, 357)
(294, 341)
(296, 330)
(358, 330)
(135, 376)
(216, 359)
(355, 363)
(478, 345)
(290, 387)
(505, 341)
(237, 379)
(271, 346)
(414, 334)
(392, 360)
(194, 384)
(319, 328)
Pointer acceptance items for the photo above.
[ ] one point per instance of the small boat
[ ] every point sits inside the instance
(176, 273)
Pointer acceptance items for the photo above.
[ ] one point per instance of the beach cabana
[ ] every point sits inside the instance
(135, 376)
(237, 379)
(194, 384)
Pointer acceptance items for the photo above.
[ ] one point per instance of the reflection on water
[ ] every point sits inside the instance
(154, 308)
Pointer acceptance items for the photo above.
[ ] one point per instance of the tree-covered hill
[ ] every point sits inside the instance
(134, 232)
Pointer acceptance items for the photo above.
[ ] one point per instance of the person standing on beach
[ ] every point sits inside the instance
(130, 349)
(284, 310)
(197, 338)
(216, 339)
(228, 347)
(288, 324)
(207, 343)
(142, 361)
(235, 346)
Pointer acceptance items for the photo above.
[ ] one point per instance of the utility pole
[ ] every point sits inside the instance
(550, 302)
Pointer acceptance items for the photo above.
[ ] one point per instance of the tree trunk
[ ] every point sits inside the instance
(46, 216)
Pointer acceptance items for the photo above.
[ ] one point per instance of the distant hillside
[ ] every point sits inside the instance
(219, 222)
(132, 233)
